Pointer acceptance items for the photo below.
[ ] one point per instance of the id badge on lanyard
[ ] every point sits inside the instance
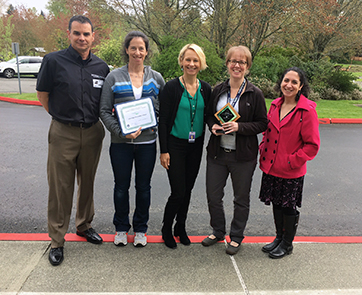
(192, 136)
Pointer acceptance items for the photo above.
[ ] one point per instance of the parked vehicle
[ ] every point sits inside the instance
(27, 65)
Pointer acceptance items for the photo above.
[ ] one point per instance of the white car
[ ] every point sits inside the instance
(27, 65)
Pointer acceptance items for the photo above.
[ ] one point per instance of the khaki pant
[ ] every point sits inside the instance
(73, 151)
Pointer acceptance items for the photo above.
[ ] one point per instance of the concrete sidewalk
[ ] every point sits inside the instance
(313, 268)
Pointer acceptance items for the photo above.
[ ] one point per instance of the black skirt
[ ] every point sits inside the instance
(281, 191)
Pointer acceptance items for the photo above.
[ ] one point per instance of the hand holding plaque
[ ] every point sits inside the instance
(227, 114)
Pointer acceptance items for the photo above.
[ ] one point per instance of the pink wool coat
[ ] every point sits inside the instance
(287, 145)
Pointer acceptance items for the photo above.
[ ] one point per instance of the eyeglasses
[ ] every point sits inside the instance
(241, 63)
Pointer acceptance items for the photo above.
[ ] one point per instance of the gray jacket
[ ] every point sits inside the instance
(117, 88)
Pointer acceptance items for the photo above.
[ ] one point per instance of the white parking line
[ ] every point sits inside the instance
(240, 277)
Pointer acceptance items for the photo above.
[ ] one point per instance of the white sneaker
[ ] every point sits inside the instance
(120, 239)
(140, 240)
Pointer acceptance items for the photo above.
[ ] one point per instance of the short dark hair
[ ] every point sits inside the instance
(80, 19)
(303, 81)
(128, 39)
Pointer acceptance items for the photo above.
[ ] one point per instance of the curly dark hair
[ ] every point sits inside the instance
(303, 81)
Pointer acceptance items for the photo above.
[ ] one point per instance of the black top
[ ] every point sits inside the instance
(74, 85)
(170, 98)
(253, 120)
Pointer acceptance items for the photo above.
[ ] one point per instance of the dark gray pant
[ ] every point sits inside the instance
(217, 173)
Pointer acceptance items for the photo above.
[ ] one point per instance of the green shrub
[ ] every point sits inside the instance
(342, 81)
(278, 51)
(266, 86)
(110, 51)
(315, 96)
(270, 67)
(332, 94)
(166, 62)
(356, 95)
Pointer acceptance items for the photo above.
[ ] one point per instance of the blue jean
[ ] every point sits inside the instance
(122, 157)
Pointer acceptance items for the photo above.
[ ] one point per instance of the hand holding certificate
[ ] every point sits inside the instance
(136, 114)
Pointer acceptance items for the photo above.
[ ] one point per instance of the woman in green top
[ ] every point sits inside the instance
(181, 135)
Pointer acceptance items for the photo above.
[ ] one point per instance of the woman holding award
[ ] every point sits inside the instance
(129, 83)
(235, 115)
(181, 135)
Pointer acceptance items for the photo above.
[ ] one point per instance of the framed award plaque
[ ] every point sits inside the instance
(227, 114)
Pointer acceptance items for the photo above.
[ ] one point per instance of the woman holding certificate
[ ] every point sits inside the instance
(181, 136)
(235, 115)
(127, 85)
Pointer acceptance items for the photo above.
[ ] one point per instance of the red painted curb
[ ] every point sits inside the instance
(108, 238)
(346, 121)
(339, 121)
(20, 101)
(324, 121)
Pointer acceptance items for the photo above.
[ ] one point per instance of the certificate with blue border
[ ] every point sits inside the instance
(135, 114)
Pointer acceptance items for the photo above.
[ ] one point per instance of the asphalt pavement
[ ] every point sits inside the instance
(327, 257)
(27, 84)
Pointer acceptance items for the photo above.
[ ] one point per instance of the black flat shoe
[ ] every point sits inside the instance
(232, 250)
(56, 256)
(209, 241)
(91, 236)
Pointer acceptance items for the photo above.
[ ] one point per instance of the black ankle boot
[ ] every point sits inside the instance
(270, 247)
(290, 229)
(180, 231)
(284, 248)
(278, 221)
(168, 237)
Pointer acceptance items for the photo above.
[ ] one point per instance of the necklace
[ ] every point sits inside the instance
(136, 75)
(183, 81)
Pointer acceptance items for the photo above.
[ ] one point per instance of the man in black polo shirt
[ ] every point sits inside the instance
(69, 87)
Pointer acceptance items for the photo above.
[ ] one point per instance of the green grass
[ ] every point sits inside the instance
(325, 108)
(26, 96)
(358, 76)
(339, 109)
(355, 70)
(335, 108)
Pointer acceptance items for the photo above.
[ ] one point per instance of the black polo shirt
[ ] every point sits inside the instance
(74, 85)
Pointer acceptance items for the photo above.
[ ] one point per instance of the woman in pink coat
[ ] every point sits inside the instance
(291, 139)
